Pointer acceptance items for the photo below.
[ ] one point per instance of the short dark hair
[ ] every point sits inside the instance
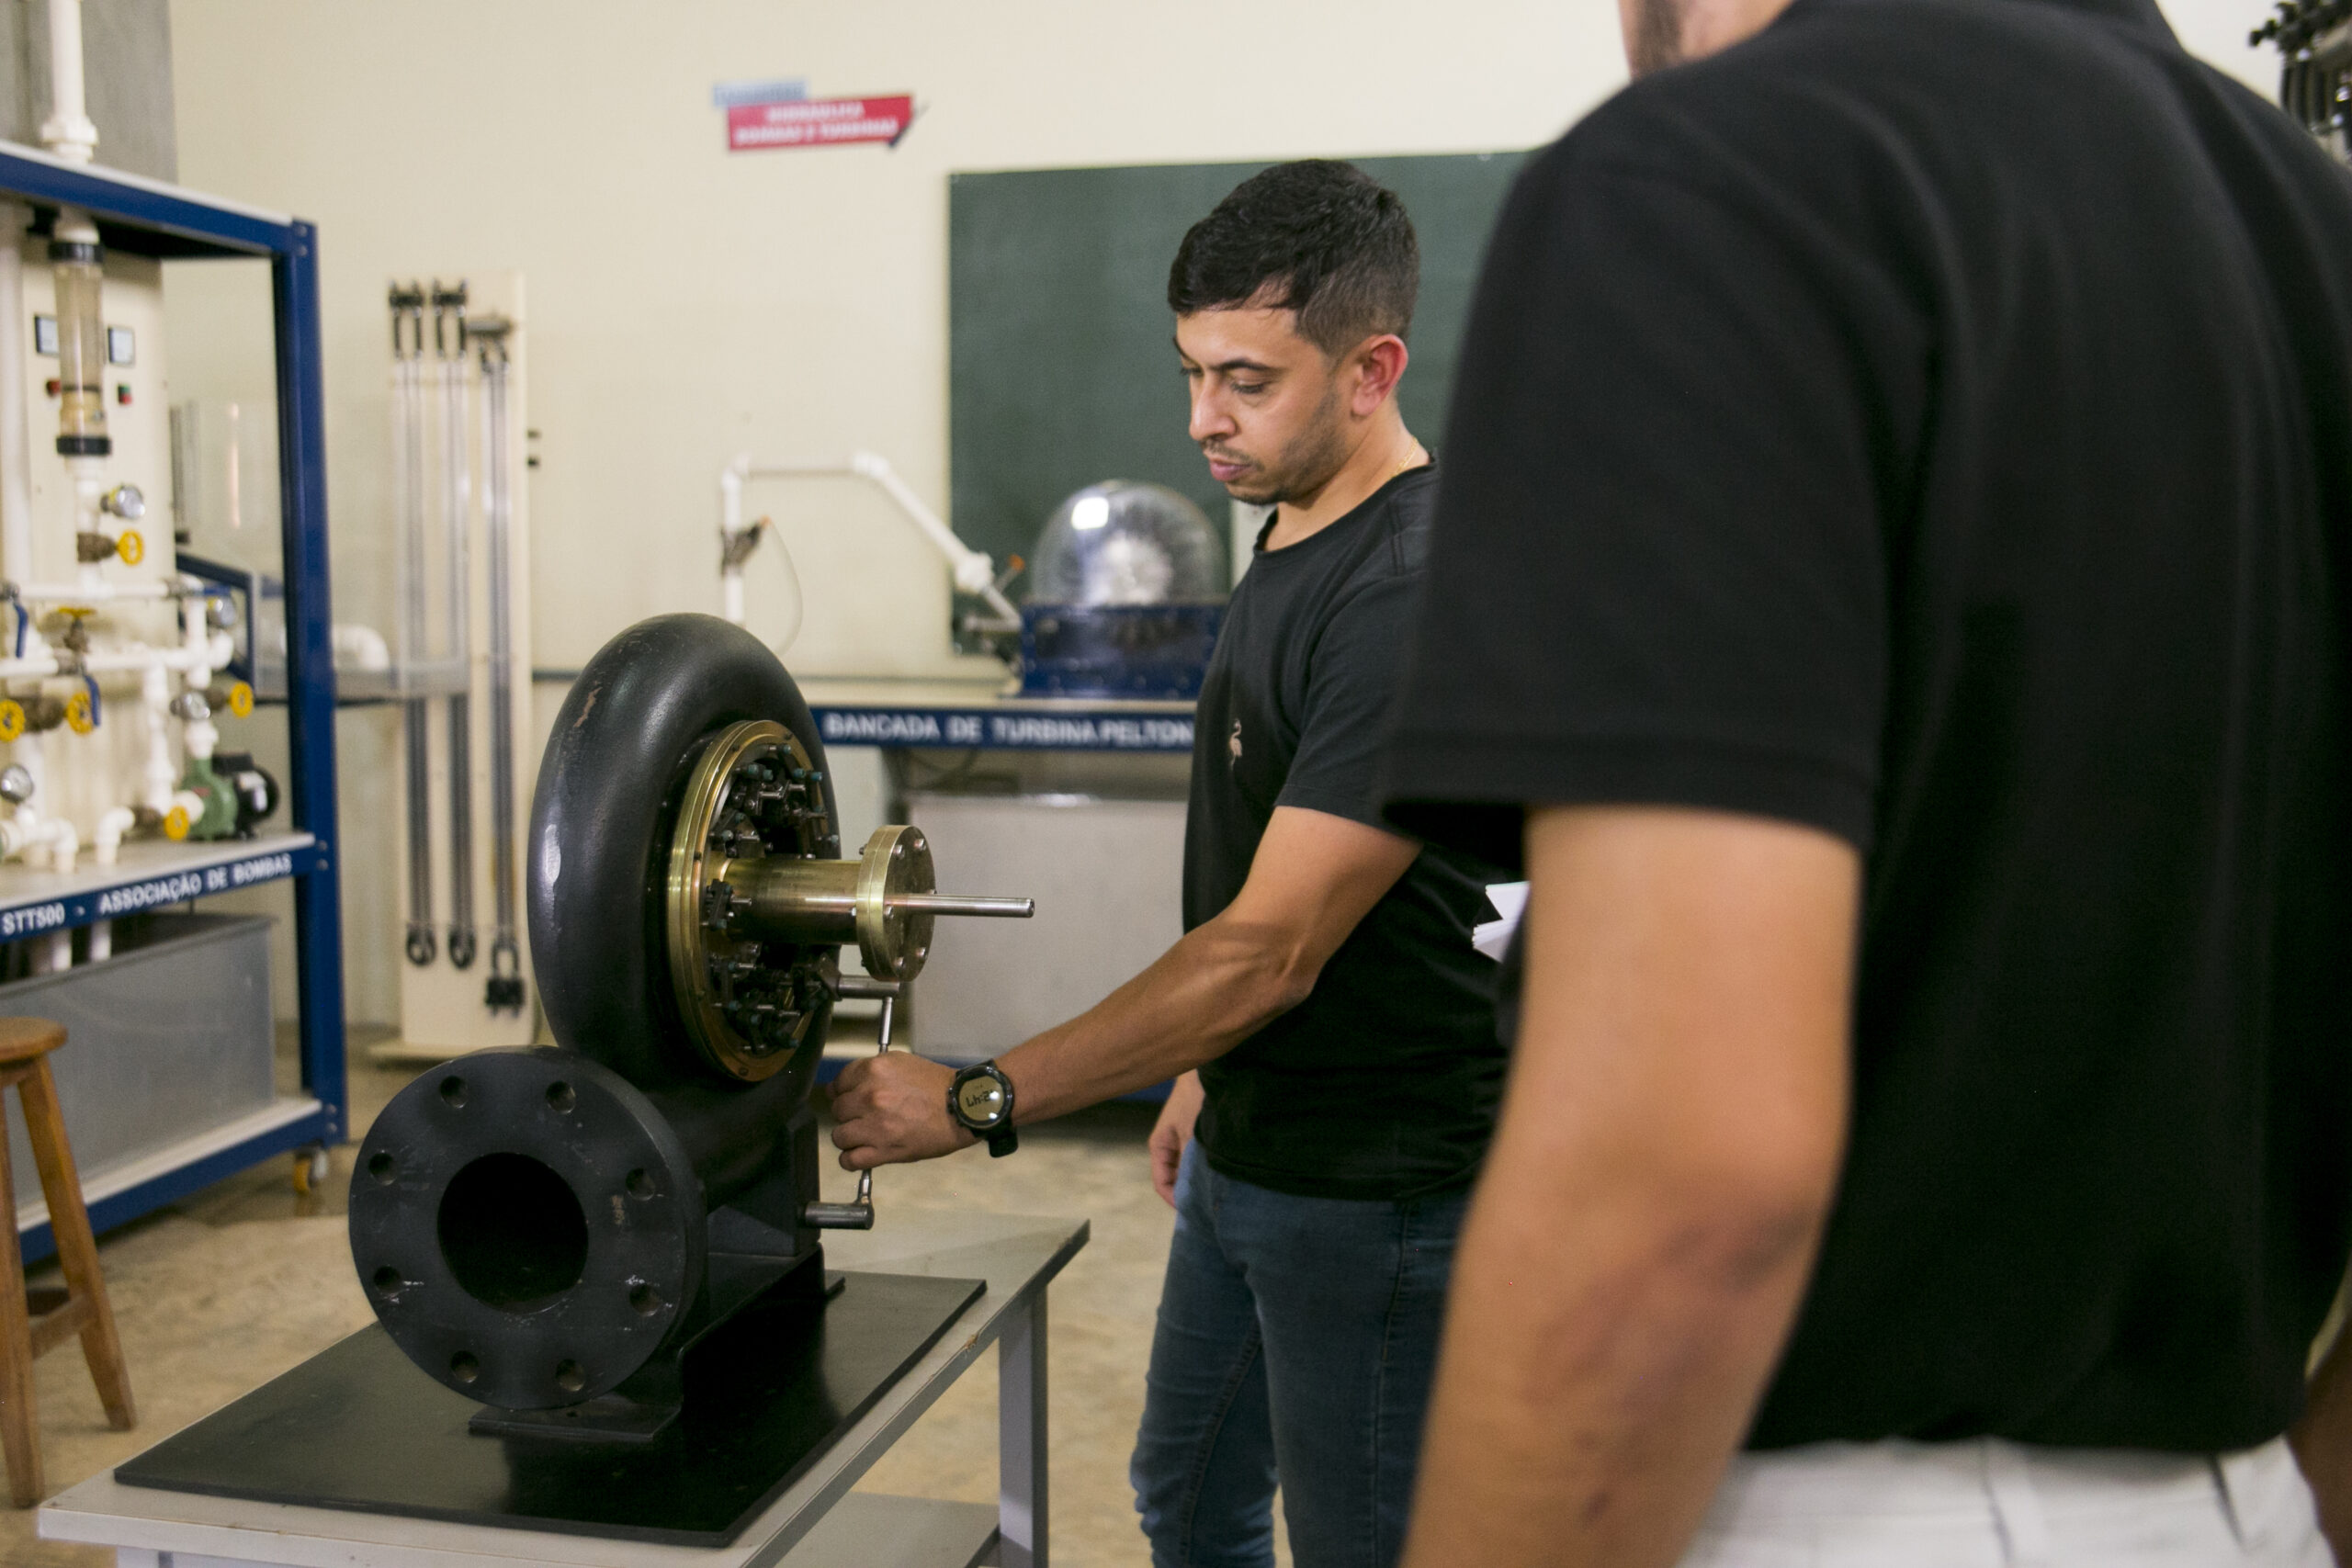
(1319, 237)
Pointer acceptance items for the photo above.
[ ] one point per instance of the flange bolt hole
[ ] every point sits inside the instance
(561, 1098)
(644, 1299)
(639, 1185)
(463, 1367)
(383, 1167)
(389, 1282)
(453, 1092)
(569, 1377)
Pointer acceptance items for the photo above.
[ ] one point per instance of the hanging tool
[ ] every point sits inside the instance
(408, 501)
(449, 350)
(503, 992)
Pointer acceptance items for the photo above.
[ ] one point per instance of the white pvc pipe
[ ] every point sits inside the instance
(15, 448)
(975, 573)
(138, 659)
(155, 695)
(107, 842)
(731, 523)
(68, 132)
(87, 592)
(364, 645)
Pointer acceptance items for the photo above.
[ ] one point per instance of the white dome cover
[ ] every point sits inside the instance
(1124, 543)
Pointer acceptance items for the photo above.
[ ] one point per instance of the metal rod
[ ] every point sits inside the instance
(461, 830)
(415, 740)
(498, 514)
(408, 504)
(457, 476)
(952, 903)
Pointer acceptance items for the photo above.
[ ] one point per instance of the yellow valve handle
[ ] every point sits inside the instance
(130, 547)
(175, 823)
(77, 714)
(241, 700)
(12, 718)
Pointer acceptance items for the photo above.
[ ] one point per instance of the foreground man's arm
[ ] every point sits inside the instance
(1314, 877)
(1648, 1214)
(2322, 1444)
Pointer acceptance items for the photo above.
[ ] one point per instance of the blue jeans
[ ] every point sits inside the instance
(1296, 1340)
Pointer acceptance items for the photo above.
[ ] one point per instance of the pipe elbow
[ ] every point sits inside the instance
(106, 841)
(364, 645)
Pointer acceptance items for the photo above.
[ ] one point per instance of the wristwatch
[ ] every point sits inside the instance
(980, 1098)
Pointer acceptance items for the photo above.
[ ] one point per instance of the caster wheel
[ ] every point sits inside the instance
(310, 1169)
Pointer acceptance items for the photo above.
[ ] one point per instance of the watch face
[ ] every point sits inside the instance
(981, 1100)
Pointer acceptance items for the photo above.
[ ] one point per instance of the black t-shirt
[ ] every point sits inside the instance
(1928, 421)
(1384, 1082)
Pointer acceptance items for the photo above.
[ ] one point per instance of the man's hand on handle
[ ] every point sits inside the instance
(1172, 1132)
(891, 1109)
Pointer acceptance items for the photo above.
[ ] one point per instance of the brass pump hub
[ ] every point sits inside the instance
(752, 797)
(754, 918)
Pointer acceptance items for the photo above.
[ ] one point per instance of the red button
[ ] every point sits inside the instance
(55, 385)
(122, 395)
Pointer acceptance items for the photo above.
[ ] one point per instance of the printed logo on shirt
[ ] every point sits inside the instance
(1233, 741)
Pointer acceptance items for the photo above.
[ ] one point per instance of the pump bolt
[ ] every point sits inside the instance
(16, 785)
(125, 501)
(191, 707)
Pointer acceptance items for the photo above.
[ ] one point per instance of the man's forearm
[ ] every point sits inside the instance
(1601, 1362)
(1647, 1217)
(1203, 996)
(2322, 1443)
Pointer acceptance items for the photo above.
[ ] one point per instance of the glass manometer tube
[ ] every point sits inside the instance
(81, 348)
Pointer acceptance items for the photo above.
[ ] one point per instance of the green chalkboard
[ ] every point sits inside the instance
(1062, 372)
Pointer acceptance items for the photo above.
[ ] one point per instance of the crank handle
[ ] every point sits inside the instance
(857, 1214)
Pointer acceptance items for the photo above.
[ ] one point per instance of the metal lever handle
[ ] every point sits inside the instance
(858, 1213)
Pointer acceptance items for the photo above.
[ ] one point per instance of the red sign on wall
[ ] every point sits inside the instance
(818, 122)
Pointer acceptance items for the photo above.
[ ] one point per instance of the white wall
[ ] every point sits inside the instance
(687, 303)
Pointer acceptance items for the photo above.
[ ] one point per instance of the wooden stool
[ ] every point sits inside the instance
(25, 1045)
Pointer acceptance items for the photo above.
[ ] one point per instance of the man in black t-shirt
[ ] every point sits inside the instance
(1330, 1018)
(1890, 580)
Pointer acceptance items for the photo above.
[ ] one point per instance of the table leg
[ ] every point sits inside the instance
(1021, 1439)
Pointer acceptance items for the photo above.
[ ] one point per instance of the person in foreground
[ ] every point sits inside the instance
(1332, 1022)
(1889, 583)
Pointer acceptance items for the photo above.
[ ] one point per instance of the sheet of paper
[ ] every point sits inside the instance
(1509, 899)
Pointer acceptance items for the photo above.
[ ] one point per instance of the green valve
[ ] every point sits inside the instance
(219, 817)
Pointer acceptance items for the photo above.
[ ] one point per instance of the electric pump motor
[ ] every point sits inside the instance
(550, 1229)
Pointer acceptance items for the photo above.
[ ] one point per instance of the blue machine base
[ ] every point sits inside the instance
(1137, 651)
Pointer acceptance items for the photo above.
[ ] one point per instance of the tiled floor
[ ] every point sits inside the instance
(245, 1280)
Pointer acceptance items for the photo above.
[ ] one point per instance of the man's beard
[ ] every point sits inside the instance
(1656, 40)
(1313, 456)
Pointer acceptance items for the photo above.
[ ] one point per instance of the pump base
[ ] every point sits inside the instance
(642, 1409)
(358, 1428)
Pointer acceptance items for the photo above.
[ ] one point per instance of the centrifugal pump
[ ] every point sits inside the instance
(549, 1230)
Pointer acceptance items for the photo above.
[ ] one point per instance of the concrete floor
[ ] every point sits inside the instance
(245, 1280)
